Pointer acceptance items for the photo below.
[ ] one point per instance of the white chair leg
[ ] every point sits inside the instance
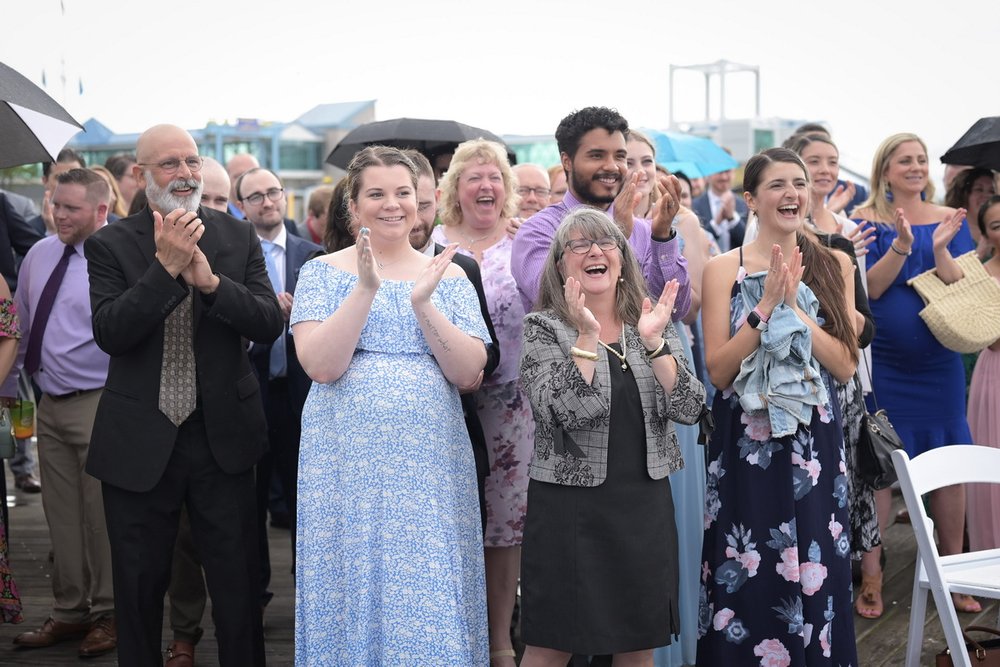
(918, 611)
(952, 630)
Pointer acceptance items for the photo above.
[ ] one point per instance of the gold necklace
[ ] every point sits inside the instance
(621, 357)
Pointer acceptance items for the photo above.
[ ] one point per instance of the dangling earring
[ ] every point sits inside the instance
(888, 194)
(923, 196)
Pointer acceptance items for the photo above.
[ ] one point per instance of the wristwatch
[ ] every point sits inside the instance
(756, 321)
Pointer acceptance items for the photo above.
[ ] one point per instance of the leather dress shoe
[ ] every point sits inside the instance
(51, 632)
(180, 654)
(102, 637)
(28, 484)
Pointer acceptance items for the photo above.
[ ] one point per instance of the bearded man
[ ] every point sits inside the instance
(175, 291)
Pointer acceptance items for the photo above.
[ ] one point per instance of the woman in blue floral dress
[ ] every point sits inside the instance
(389, 567)
(776, 570)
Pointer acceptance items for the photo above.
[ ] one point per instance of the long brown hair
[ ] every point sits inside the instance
(822, 269)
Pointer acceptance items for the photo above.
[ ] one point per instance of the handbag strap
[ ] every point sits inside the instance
(871, 380)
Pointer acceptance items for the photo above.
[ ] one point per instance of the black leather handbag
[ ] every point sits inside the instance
(876, 444)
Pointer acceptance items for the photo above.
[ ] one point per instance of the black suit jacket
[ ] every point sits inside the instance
(131, 295)
(703, 209)
(15, 236)
(472, 423)
(297, 252)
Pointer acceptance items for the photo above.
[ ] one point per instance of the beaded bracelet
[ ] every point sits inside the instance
(892, 246)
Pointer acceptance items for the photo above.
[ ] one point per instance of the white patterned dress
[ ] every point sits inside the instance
(389, 567)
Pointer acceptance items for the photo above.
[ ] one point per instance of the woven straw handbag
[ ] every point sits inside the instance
(965, 315)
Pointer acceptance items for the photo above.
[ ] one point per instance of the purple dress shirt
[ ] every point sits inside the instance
(661, 261)
(71, 360)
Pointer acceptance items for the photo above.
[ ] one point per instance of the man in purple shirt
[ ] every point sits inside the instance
(592, 147)
(71, 371)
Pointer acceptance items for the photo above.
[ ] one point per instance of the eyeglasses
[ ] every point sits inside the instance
(257, 198)
(194, 163)
(540, 192)
(582, 246)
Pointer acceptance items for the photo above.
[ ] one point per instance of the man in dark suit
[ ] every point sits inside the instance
(175, 290)
(284, 385)
(722, 212)
(420, 239)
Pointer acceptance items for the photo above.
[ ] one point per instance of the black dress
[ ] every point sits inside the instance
(599, 564)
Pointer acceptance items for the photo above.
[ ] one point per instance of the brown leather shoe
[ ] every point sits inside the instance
(27, 483)
(51, 632)
(102, 637)
(180, 654)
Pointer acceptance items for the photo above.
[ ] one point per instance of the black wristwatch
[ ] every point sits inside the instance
(753, 319)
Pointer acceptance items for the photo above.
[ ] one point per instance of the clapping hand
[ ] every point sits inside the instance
(625, 203)
(775, 281)
(367, 270)
(795, 271)
(430, 275)
(514, 224)
(841, 196)
(666, 207)
(861, 237)
(176, 237)
(946, 231)
(580, 316)
(655, 318)
(904, 234)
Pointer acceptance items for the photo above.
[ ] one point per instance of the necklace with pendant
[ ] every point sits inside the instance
(473, 241)
(382, 265)
(621, 357)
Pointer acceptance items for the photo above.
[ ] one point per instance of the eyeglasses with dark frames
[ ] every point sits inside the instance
(257, 198)
(539, 192)
(582, 246)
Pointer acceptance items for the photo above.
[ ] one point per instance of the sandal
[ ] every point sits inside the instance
(966, 604)
(869, 601)
(503, 653)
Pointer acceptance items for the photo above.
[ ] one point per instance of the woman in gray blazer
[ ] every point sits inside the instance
(598, 569)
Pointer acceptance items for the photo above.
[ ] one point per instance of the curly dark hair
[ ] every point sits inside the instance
(572, 128)
(957, 196)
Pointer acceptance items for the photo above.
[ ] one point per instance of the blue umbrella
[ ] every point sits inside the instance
(686, 152)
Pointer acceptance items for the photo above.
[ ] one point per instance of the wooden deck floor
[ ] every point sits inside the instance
(881, 643)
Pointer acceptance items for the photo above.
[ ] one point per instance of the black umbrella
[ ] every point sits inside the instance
(33, 127)
(979, 146)
(430, 137)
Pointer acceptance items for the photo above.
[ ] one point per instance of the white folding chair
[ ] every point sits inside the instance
(976, 573)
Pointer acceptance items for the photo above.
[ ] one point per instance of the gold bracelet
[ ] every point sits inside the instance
(653, 353)
(583, 354)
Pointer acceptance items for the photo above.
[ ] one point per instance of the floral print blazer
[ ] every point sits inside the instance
(572, 417)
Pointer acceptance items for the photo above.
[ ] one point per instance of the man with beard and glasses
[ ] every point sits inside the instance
(420, 239)
(175, 291)
(592, 148)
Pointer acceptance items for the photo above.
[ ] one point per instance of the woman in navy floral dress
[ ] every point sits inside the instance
(776, 570)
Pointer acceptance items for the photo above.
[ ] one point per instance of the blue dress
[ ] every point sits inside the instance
(687, 486)
(918, 381)
(389, 567)
(776, 569)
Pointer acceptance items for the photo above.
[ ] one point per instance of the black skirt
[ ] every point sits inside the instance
(599, 564)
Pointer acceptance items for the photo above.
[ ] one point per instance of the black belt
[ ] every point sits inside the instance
(72, 394)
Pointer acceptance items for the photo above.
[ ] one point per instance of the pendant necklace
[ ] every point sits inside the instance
(382, 265)
(474, 241)
(621, 357)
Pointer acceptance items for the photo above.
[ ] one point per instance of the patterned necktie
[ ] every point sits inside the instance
(33, 356)
(276, 367)
(177, 374)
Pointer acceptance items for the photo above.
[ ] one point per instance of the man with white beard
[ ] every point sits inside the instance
(176, 290)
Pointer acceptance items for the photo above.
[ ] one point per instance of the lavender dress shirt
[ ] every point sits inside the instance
(71, 360)
(661, 261)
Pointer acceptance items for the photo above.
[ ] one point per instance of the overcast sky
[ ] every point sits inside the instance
(867, 68)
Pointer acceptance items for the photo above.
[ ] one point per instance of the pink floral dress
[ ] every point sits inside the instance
(503, 408)
(10, 603)
(776, 569)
